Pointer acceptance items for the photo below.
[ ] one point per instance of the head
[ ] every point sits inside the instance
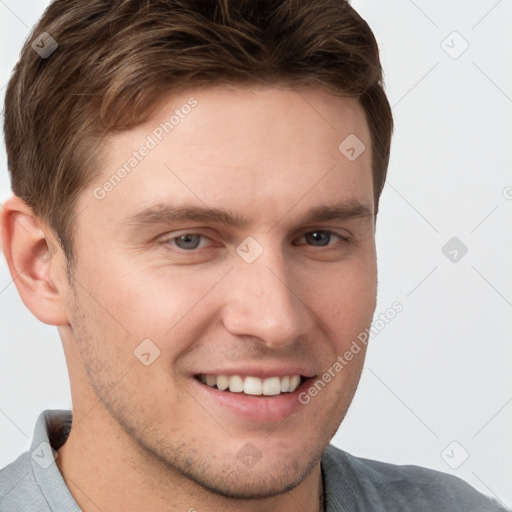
(197, 185)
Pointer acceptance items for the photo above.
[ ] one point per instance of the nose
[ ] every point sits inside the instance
(264, 300)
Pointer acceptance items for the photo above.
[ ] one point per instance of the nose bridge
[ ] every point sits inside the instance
(262, 300)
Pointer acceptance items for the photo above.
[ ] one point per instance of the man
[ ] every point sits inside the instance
(196, 189)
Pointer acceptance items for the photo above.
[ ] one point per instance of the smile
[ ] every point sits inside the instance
(250, 385)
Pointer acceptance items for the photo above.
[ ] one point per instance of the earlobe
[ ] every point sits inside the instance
(35, 263)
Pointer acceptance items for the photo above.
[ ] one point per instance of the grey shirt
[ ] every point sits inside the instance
(33, 482)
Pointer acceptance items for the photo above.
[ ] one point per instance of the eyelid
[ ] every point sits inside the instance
(168, 239)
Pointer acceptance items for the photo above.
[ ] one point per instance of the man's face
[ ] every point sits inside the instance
(277, 296)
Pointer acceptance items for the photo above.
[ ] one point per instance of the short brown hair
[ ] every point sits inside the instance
(116, 58)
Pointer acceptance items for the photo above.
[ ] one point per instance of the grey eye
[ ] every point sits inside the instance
(322, 237)
(188, 241)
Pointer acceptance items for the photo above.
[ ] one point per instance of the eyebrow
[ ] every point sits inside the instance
(162, 213)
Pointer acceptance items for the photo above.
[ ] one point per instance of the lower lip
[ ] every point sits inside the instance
(255, 408)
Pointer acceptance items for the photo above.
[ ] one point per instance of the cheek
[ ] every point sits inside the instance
(351, 316)
(168, 306)
(142, 298)
(346, 301)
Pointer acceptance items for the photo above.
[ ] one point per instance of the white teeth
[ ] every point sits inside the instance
(294, 383)
(272, 386)
(222, 382)
(211, 380)
(236, 384)
(252, 385)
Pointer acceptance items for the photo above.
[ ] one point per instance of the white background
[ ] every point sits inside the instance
(441, 371)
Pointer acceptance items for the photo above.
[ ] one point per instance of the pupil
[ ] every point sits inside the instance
(317, 236)
(190, 241)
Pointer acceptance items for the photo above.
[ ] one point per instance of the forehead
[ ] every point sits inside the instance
(261, 151)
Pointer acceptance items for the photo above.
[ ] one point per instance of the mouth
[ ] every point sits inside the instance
(253, 386)
(255, 395)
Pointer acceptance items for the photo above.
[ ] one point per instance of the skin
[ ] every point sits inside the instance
(143, 437)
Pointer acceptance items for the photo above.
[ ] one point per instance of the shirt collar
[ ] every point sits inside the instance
(50, 433)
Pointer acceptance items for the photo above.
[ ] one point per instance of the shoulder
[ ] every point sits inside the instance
(18, 487)
(33, 481)
(384, 486)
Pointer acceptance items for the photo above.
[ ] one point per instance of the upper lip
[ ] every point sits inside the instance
(259, 371)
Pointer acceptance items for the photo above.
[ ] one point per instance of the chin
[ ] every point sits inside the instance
(240, 472)
(263, 480)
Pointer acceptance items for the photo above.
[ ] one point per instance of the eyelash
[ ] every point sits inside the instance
(169, 241)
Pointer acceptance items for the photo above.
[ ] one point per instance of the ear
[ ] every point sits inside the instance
(36, 262)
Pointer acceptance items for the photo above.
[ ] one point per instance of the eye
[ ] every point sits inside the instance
(186, 241)
(321, 237)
